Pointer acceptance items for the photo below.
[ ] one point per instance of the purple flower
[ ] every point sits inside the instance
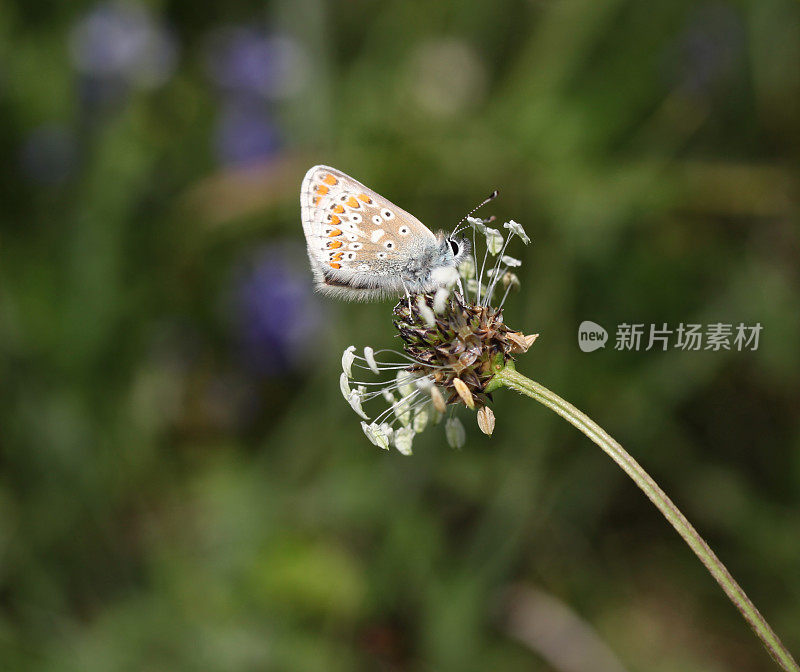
(245, 135)
(278, 319)
(707, 47)
(49, 154)
(122, 40)
(245, 61)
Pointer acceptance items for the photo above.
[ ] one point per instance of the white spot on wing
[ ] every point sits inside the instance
(376, 235)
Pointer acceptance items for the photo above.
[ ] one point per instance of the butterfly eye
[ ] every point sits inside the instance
(404, 230)
(376, 220)
(387, 214)
(454, 246)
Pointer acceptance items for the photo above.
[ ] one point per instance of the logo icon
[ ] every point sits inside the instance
(591, 336)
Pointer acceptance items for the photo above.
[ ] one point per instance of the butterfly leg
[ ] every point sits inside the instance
(460, 286)
(408, 296)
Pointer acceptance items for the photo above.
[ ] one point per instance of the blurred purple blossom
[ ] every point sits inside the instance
(100, 93)
(246, 61)
(707, 47)
(123, 41)
(277, 317)
(245, 135)
(49, 154)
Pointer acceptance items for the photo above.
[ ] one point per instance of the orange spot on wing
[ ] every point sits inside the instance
(334, 233)
(322, 189)
(333, 244)
(337, 256)
(335, 220)
(334, 265)
(352, 202)
(338, 208)
(316, 200)
(330, 179)
(365, 198)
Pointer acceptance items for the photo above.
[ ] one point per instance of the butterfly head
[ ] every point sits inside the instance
(450, 252)
(452, 249)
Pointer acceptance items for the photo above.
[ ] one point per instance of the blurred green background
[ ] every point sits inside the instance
(182, 486)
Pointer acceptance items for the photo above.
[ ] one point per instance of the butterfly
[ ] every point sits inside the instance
(363, 247)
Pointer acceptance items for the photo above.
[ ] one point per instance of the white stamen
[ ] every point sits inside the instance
(480, 276)
(517, 230)
(344, 386)
(425, 383)
(455, 433)
(397, 407)
(354, 399)
(405, 383)
(493, 283)
(347, 360)
(494, 241)
(509, 280)
(379, 435)
(369, 355)
(477, 224)
(402, 411)
(403, 438)
(472, 286)
(384, 433)
(467, 268)
(421, 418)
(418, 405)
(367, 429)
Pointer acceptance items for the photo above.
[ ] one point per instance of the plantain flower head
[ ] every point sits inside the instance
(454, 340)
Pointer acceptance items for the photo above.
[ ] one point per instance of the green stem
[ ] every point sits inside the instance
(510, 378)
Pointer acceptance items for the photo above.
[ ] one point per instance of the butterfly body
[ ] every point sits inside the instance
(363, 247)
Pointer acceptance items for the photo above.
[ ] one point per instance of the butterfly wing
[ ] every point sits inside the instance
(361, 245)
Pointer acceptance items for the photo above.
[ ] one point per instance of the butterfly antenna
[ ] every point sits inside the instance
(490, 197)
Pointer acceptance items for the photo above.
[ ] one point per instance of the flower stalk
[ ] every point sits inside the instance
(509, 377)
(457, 350)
